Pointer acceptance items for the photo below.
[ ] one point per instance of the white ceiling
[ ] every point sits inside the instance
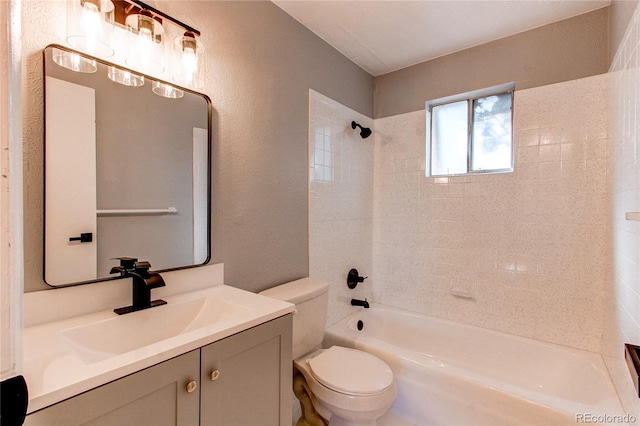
(384, 36)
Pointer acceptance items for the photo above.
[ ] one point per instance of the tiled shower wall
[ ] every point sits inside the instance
(622, 308)
(340, 201)
(522, 252)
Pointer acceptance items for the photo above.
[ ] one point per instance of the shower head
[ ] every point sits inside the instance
(365, 132)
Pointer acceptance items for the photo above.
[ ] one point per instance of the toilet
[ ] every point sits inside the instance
(343, 386)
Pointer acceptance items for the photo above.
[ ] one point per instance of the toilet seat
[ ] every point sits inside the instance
(351, 372)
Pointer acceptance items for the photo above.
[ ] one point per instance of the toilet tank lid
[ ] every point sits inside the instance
(298, 290)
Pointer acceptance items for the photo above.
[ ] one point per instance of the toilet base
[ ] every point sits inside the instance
(316, 413)
(310, 416)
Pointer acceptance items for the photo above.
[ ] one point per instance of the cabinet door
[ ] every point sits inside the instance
(151, 397)
(246, 378)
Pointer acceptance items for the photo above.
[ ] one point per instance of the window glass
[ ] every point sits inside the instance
(449, 138)
(491, 138)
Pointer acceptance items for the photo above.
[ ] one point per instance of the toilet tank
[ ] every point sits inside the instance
(311, 296)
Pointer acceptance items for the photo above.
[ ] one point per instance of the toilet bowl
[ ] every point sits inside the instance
(346, 387)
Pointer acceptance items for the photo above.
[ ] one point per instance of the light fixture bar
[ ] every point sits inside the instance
(163, 15)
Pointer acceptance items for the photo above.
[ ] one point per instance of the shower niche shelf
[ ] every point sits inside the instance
(633, 216)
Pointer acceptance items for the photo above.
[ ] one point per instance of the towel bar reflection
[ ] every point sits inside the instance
(136, 212)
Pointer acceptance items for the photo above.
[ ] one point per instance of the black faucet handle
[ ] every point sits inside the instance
(131, 264)
(126, 264)
(353, 278)
(116, 270)
(143, 264)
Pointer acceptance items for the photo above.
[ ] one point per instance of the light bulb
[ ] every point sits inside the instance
(145, 46)
(190, 60)
(146, 50)
(89, 26)
(189, 71)
(189, 64)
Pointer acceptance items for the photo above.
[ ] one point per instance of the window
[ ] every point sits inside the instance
(471, 134)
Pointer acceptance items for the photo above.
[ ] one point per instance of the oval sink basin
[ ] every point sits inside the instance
(100, 340)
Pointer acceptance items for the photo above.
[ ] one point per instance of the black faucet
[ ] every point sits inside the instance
(357, 302)
(143, 281)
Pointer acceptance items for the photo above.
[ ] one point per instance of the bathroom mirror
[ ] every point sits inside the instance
(127, 170)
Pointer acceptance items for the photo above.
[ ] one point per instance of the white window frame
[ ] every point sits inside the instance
(469, 97)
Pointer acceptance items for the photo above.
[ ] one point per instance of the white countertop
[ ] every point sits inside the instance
(55, 372)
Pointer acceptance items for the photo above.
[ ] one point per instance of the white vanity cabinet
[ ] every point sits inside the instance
(244, 379)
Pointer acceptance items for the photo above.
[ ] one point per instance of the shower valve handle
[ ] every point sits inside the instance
(353, 278)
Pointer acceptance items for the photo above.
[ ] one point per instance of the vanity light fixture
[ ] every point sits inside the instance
(89, 29)
(190, 65)
(137, 32)
(90, 26)
(146, 45)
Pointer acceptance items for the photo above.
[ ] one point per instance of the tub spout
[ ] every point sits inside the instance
(357, 302)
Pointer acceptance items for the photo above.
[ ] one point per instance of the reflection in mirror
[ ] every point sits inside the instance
(127, 170)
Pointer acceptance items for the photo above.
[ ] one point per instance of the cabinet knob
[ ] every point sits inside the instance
(192, 386)
(214, 375)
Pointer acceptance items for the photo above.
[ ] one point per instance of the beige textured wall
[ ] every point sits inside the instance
(261, 64)
(267, 62)
(566, 50)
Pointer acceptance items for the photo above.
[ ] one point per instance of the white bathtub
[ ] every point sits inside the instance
(455, 374)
